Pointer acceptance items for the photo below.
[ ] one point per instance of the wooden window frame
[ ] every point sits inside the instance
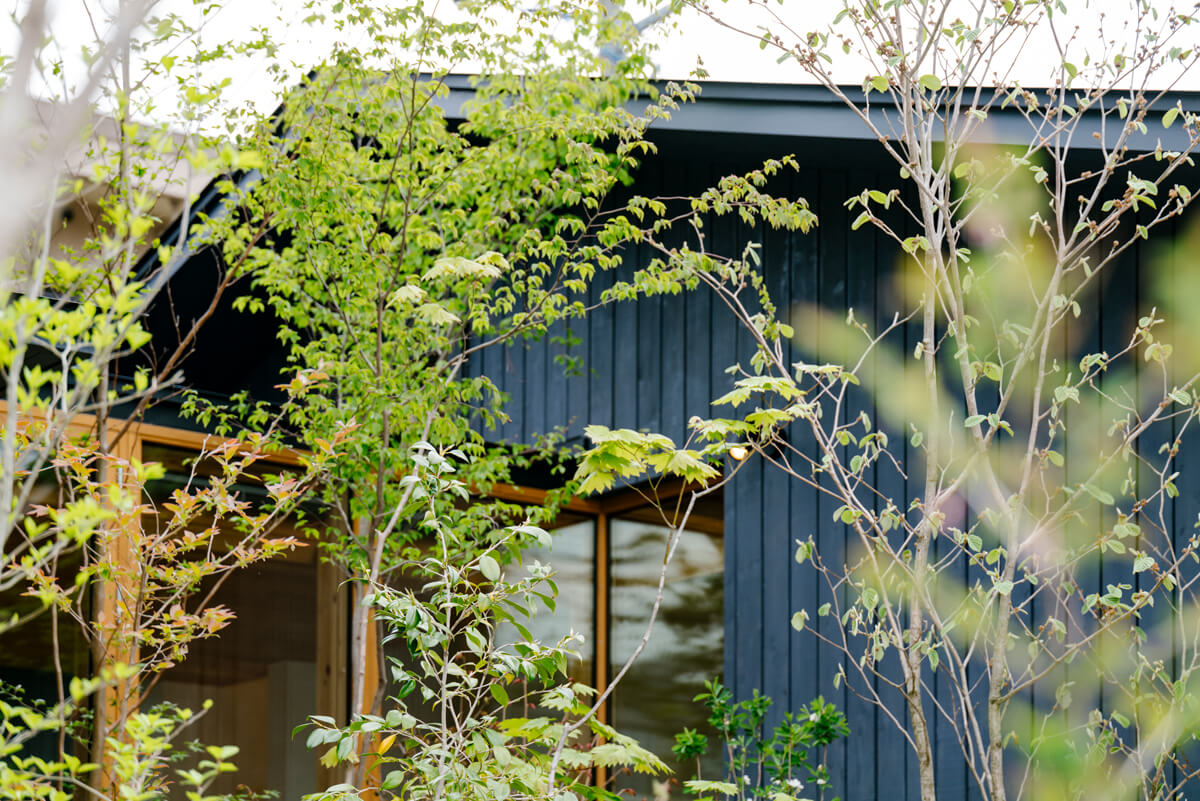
(333, 599)
(332, 622)
(602, 510)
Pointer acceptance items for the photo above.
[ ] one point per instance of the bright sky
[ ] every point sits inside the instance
(727, 55)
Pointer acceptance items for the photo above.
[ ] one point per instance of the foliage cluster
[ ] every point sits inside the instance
(408, 235)
(785, 763)
(460, 724)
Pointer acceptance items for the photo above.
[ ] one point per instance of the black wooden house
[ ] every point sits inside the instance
(654, 364)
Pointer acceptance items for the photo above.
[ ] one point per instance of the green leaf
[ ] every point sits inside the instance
(735, 397)
(700, 786)
(799, 620)
(436, 314)
(1099, 494)
(974, 420)
(1004, 587)
(1126, 529)
(489, 567)
(409, 293)
(499, 693)
(1168, 118)
(879, 83)
(931, 82)
(803, 551)
(248, 160)
(1143, 563)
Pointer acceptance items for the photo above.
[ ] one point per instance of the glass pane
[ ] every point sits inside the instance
(654, 700)
(261, 674)
(572, 556)
(184, 471)
(28, 674)
(260, 671)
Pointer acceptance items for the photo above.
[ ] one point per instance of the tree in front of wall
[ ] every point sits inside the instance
(419, 217)
(1045, 459)
(109, 587)
(477, 714)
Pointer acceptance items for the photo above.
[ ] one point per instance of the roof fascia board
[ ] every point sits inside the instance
(808, 111)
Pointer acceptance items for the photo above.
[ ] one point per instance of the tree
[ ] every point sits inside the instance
(393, 246)
(405, 241)
(92, 163)
(476, 715)
(1039, 456)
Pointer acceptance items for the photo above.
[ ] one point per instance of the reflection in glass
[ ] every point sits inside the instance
(572, 557)
(28, 675)
(654, 700)
(27, 671)
(261, 670)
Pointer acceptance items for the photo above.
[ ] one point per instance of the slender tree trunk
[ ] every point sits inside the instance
(997, 674)
(926, 531)
(360, 620)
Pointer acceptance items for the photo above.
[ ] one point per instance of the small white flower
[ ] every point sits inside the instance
(814, 717)
(820, 781)
(745, 778)
(795, 784)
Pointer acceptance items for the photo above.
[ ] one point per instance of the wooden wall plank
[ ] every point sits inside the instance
(513, 385)
(557, 385)
(599, 379)
(537, 402)
(776, 513)
(831, 535)
(861, 283)
(893, 756)
(804, 583)
(626, 333)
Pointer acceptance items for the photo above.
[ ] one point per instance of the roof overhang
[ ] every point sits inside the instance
(813, 112)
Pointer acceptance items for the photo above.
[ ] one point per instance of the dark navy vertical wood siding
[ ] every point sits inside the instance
(654, 364)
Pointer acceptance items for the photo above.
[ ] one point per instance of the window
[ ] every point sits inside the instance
(573, 556)
(654, 700)
(284, 655)
(607, 555)
(261, 670)
(271, 667)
